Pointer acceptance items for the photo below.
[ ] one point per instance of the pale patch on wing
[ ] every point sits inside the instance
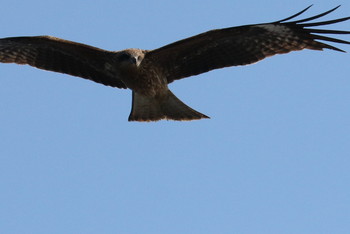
(278, 29)
(280, 36)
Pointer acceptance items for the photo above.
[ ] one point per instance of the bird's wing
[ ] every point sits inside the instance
(54, 54)
(240, 46)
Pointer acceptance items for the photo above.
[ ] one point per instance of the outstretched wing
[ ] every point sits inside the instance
(240, 46)
(54, 54)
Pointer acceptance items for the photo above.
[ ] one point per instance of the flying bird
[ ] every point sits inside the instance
(148, 72)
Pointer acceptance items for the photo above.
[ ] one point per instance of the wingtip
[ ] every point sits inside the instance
(309, 6)
(295, 15)
(307, 19)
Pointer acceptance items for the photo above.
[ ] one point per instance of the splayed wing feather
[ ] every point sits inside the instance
(326, 31)
(325, 22)
(331, 39)
(313, 17)
(293, 16)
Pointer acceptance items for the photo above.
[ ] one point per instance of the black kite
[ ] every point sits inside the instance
(148, 72)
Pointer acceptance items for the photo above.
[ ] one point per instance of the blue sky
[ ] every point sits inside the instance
(273, 158)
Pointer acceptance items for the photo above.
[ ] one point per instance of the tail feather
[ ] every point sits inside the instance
(169, 107)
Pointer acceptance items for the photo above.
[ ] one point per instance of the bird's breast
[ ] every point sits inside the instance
(149, 82)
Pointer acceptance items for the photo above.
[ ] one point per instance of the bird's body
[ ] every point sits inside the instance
(148, 72)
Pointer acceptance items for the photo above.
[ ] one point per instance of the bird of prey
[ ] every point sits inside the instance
(148, 72)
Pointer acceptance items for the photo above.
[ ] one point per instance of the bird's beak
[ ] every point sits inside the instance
(133, 60)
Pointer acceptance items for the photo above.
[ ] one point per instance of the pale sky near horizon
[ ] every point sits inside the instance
(273, 158)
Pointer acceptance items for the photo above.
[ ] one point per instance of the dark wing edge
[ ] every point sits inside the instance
(58, 55)
(242, 45)
(311, 32)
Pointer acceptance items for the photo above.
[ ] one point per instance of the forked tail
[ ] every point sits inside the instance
(168, 107)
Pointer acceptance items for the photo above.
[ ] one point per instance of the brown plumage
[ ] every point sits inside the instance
(148, 72)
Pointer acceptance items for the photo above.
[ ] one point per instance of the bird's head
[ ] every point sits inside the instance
(130, 57)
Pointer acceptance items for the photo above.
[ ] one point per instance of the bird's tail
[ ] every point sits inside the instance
(146, 108)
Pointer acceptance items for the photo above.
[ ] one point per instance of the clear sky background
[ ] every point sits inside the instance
(273, 158)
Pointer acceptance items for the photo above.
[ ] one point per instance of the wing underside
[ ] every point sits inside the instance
(58, 55)
(243, 45)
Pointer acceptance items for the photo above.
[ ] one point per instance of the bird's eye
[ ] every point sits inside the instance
(124, 57)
